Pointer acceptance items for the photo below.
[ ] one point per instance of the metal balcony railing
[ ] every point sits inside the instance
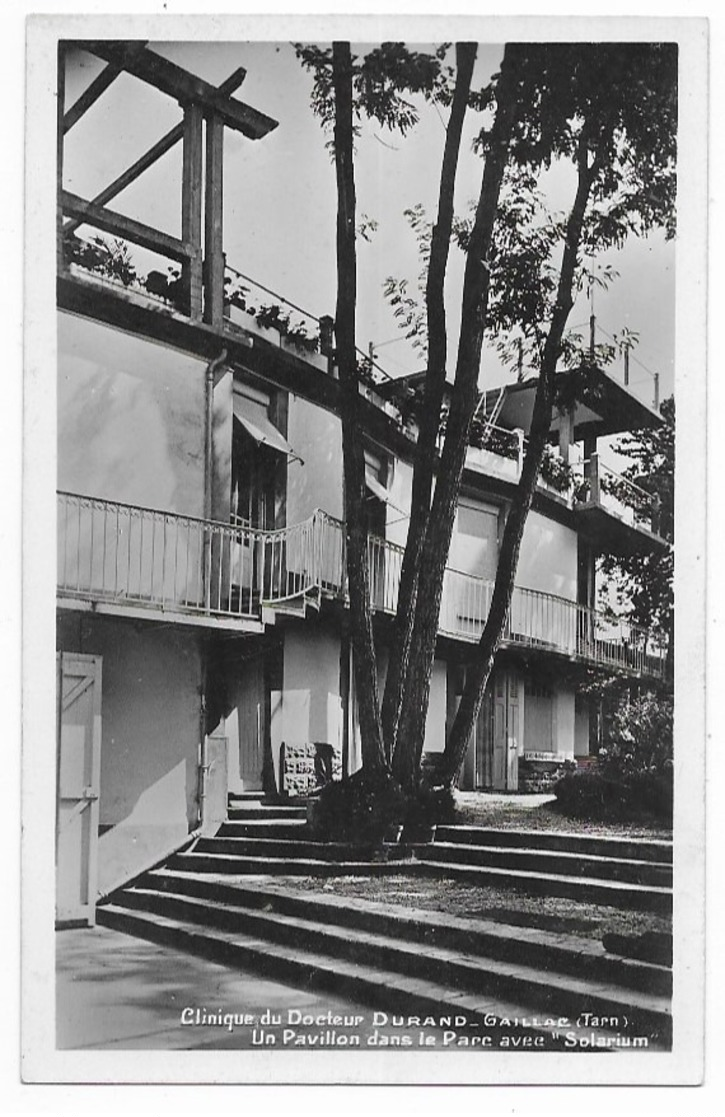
(599, 484)
(123, 554)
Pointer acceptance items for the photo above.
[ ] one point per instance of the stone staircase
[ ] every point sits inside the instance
(404, 960)
(233, 898)
(261, 836)
(623, 872)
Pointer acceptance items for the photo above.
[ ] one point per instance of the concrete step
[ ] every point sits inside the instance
(621, 894)
(278, 866)
(293, 830)
(366, 982)
(548, 951)
(288, 849)
(262, 813)
(560, 861)
(635, 849)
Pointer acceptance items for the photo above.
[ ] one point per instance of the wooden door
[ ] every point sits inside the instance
(505, 732)
(78, 786)
(252, 724)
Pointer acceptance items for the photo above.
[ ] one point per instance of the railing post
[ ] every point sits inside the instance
(519, 450)
(206, 572)
(594, 478)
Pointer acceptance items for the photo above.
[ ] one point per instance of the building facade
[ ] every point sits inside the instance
(203, 630)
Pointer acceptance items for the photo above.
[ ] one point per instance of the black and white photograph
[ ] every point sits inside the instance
(361, 362)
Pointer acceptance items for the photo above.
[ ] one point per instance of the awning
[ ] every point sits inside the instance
(374, 486)
(254, 419)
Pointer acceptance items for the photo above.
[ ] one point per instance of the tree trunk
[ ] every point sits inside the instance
(429, 422)
(414, 705)
(358, 570)
(480, 671)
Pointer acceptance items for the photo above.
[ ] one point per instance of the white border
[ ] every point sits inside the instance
(42, 1062)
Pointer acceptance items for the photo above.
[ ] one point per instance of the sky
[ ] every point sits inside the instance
(280, 201)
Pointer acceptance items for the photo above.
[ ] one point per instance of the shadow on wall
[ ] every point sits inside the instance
(156, 826)
(128, 418)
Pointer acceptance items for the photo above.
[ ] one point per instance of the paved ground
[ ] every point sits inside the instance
(115, 992)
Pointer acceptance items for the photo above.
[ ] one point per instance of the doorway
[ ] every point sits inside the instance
(499, 731)
(78, 738)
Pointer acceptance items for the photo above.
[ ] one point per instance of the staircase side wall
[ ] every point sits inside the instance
(150, 736)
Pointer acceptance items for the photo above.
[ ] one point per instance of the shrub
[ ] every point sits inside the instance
(629, 797)
(358, 809)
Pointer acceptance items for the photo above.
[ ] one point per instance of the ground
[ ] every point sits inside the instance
(539, 812)
(118, 993)
(504, 905)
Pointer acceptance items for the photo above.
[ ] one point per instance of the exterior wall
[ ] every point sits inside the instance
(222, 423)
(435, 726)
(316, 435)
(581, 729)
(548, 559)
(130, 418)
(150, 717)
(309, 708)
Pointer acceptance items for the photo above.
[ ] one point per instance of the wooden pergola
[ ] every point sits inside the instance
(199, 251)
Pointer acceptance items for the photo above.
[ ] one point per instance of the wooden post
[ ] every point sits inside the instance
(657, 391)
(592, 337)
(594, 487)
(191, 193)
(626, 366)
(214, 217)
(60, 94)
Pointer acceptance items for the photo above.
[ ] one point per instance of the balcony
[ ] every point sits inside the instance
(126, 560)
(616, 513)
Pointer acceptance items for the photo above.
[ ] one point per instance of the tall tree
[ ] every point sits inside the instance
(356, 526)
(613, 110)
(610, 110)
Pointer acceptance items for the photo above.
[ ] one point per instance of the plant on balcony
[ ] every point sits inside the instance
(111, 259)
(273, 317)
(556, 472)
(499, 442)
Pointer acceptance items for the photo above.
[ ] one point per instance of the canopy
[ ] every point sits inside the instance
(253, 417)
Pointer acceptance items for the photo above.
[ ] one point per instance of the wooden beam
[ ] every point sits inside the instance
(60, 109)
(154, 153)
(180, 84)
(98, 86)
(214, 219)
(191, 203)
(111, 222)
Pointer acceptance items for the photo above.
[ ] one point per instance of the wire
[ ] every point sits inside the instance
(631, 356)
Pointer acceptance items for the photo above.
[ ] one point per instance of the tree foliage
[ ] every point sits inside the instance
(641, 583)
(609, 110)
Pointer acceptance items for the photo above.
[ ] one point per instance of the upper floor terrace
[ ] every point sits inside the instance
(127, 560)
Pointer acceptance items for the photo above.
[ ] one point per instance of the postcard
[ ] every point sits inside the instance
(364, 536)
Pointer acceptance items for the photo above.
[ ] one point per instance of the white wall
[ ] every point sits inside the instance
(310, 707)
(548, 559)
(435, 726)
(130, 418)
(316, 435)
(150, 718)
